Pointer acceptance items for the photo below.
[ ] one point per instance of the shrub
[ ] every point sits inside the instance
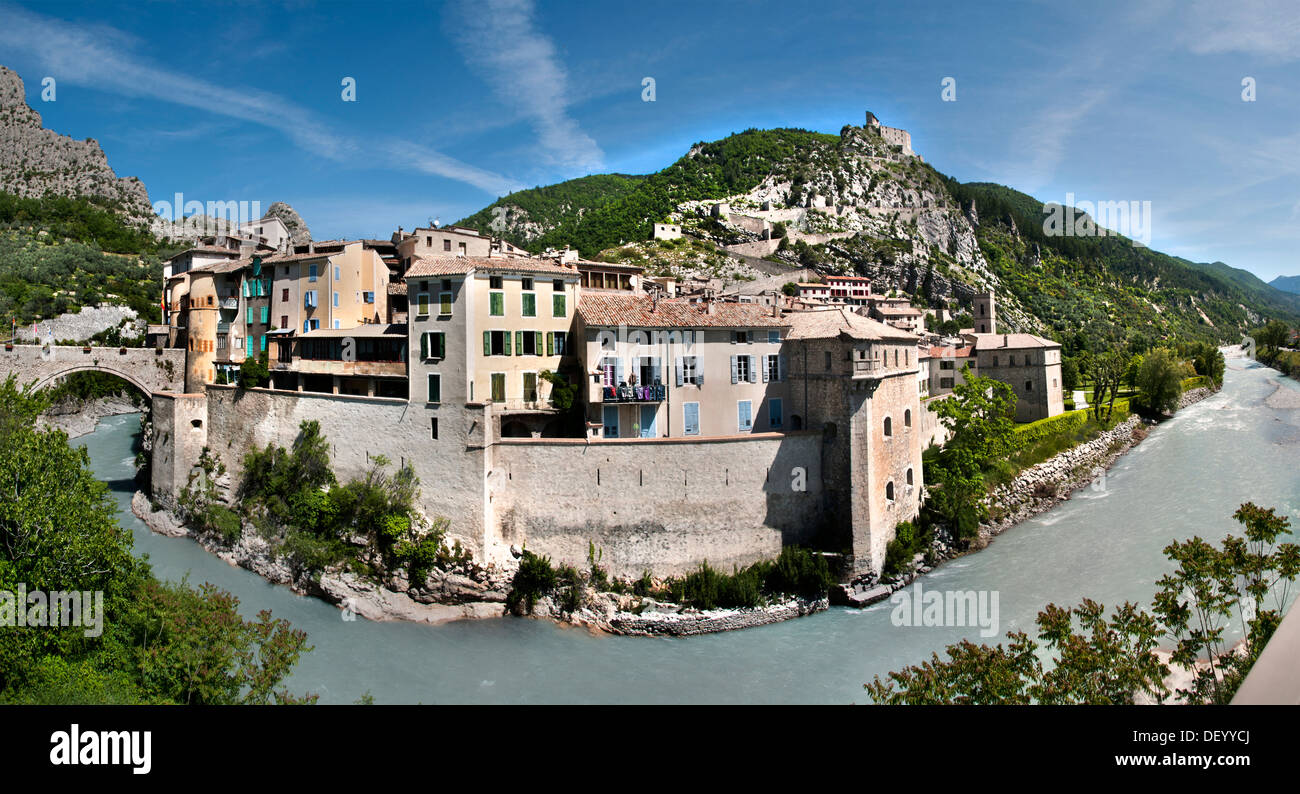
(534, 579)
(800, 572)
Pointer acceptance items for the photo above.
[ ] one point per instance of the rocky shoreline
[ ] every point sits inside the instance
(1034, 491)
(80, 418)
(469, 593)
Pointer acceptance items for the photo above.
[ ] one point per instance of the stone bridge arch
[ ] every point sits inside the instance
(150, 370)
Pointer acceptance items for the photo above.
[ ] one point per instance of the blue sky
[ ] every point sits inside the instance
(458, 103)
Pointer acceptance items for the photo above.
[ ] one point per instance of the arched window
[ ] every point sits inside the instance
(889, 426)
(909, 477)
(907, 418)
(889, 491)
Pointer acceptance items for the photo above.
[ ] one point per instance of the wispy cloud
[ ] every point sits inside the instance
(1263, 28)
(101, 58)
(499, 39)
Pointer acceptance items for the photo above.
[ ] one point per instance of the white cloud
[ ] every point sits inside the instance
(1264, 28)
(100, 57)
(498, 38)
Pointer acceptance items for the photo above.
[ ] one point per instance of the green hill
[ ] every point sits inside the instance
(1286, 284)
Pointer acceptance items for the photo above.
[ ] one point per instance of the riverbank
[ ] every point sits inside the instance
(1034, 491)
(80, 417)
(469, 593)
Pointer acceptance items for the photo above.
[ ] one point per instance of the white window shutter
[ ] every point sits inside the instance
(753, 366)
(735, 378)
(677, 363)
(618, 371)
(765, 366)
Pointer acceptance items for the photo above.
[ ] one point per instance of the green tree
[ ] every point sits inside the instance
(1160, 379)
(1106, 373)
(978, 416)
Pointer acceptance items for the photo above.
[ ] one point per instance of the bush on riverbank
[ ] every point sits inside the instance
(795, 572)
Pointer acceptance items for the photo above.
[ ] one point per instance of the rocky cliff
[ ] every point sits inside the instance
(297, 227)
(35, 161)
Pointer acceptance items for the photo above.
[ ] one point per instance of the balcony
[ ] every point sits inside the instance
(634, 394)
(867, 368)
(230, 304)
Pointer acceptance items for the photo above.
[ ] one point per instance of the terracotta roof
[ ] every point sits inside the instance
(901, 311)
(840, 321)
(937, 351)
(1011, 341)
(461, 265)
(397, 288)
(848, 278)
(610, 310)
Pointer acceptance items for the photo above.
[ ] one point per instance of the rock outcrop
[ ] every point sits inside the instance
(35, 161)
(298, 231)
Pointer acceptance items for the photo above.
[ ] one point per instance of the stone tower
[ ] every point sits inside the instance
(985, 314)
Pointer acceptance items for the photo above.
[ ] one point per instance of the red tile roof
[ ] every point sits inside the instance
(611, 310)
(461, 265)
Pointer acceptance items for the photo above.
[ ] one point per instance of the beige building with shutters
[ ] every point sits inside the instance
(670, 369)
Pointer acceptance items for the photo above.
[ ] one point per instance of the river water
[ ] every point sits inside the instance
(1105, 543)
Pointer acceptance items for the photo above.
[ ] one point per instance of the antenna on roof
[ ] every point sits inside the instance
(433, 222)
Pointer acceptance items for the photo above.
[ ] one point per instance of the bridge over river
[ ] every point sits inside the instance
(148, 369)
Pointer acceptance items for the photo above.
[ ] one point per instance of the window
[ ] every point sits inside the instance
(889, 426)
(446, 285)
(556, 343)
(422, 305)
(494, 282)
(460, 249)
(496, 343)
(773, 368)
(691, 419)
(946, 364)
(774, 337)
(740, 369)
(774, 413)
(435, 389)
(433, 345)
(444, 304)
(945, 383)
(265, 314)
(498, 387)
(530, 387)
(528, 343)
(336, 300)
(284, 321)
(248, 315)
(995, 361)
(828, 360)
(741, 337)
(526, 284)
(909, 478)
(368, 297)
(744, 417)
(433, 428)
(889, 491)
(497, 304)
(1011, 361)
(311, 272)
(337, 274)
(688, 370)
(558, 285)
(611, 421)
(284, 295)
(315, 324)
(609, 372)
(446, 244)
(558, 308)
(907, 418)
(1029, 385)
(530, 304)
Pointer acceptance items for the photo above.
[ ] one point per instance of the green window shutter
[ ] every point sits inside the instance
(444, 303)
(487, 343)
(506, 334)
(424, 346)
(519, 343)
(557, 305)
(435, 388)
(550, 343)
(498, 304)
(530, 304)
(265, 310)
(442, 345)
(249, 313)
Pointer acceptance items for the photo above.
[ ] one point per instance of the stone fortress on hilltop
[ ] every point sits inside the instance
(892, 135)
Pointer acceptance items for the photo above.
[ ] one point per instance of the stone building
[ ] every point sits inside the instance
(1030, 364)
(855, 380)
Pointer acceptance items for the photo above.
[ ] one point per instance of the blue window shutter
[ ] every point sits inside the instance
(753, 365)
(691, 419)
(744, 417)
(735, 377)
(774, 412)
(765, 365)
(774, 337)
(304, 326)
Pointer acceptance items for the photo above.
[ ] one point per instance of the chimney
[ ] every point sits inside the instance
(654, 301)
(709, 308)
